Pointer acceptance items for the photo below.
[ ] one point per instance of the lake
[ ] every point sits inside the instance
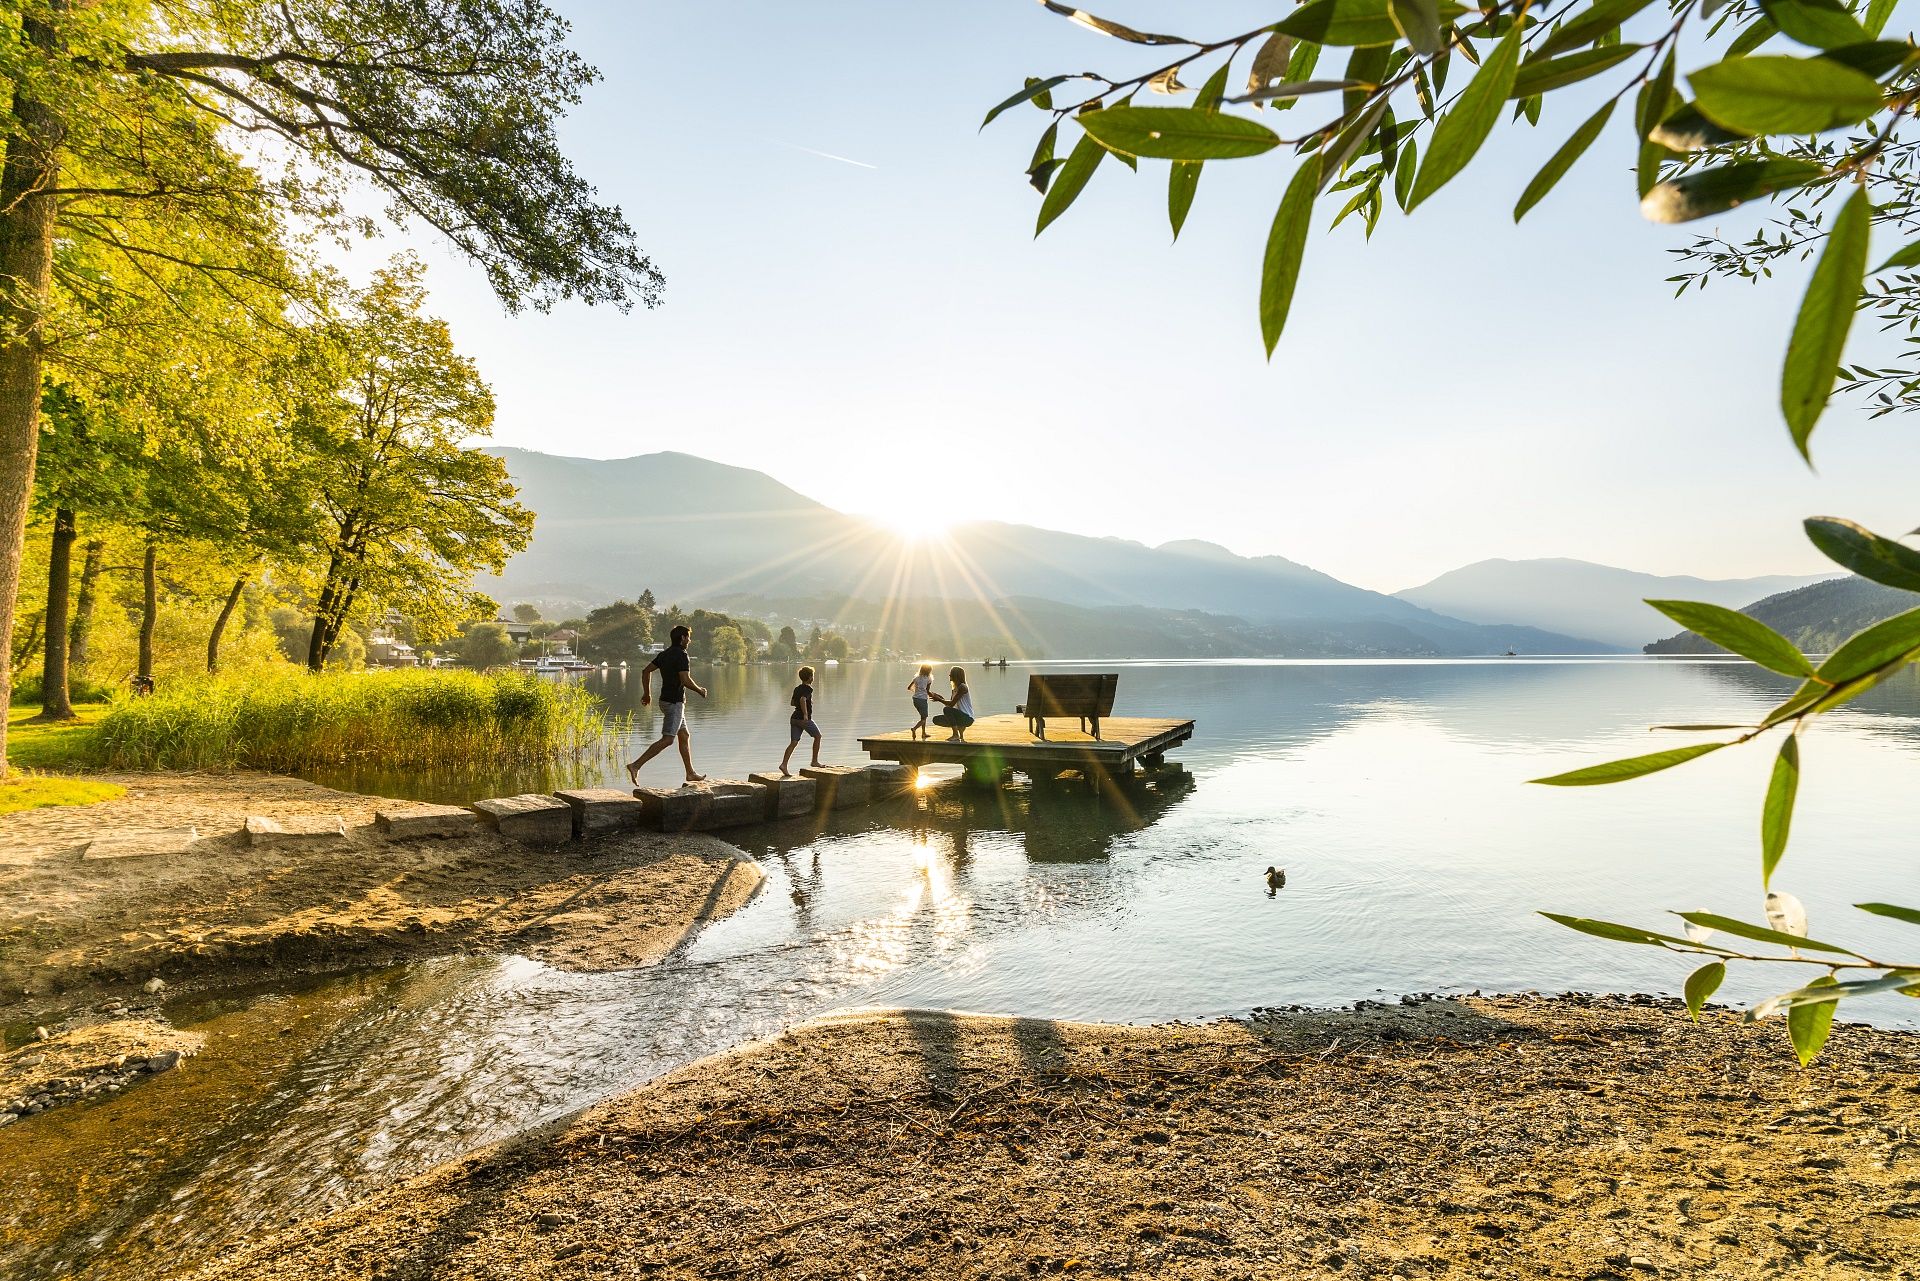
(1393, 793)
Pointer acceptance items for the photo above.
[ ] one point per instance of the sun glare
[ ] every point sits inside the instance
(915, 524)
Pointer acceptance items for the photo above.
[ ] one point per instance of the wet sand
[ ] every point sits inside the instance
(80, 935)
(1602, 1138)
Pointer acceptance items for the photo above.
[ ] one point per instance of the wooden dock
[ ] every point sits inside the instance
(998, 743)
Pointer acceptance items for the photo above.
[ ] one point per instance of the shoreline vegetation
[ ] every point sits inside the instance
(285, 720)
(1572, 1137)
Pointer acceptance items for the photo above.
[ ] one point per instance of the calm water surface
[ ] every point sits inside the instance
(1392, 793)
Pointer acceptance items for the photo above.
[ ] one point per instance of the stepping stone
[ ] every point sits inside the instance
(531, 819)
(792, 797)
(889, 778)
(840, 786)
(599, 811)
(702, 807)
(406, 822)
(307, 832)
(151, 843)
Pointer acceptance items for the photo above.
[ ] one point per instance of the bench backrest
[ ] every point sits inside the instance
(1072, 695)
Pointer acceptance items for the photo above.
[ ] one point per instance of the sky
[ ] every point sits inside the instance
(856, 304)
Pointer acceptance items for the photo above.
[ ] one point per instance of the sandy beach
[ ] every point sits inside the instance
(1604, 1139)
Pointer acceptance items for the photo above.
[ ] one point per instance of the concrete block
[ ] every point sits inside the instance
(888, 778)
(151, 842)
(603, 811)
(406, 822)
(703, 807)
(531, 819)
(792, 797)
(841, 786)
(307, 832)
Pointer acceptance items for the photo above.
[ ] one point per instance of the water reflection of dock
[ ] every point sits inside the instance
(1066, 820)
(996, 744)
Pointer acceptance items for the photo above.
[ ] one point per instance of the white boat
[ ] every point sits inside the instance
(557, 663)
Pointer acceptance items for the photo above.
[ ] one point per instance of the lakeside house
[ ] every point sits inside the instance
(384, 649)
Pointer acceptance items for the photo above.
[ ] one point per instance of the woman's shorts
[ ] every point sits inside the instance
(954, 718)
(796, 728)
(920, 706)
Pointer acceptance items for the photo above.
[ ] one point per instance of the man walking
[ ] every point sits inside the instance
(676, 679)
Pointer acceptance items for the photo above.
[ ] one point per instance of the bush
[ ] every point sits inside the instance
(290, 721)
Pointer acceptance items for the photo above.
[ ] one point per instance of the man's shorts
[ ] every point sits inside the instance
(673, 718)
(795, 728)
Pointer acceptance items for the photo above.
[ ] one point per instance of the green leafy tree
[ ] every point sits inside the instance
(112, 121)
(487, 645)
(785, 647)
(526, 613)
(1727, 103)
(407, 512)
(728, 647)
(152, 366)
(621, 632)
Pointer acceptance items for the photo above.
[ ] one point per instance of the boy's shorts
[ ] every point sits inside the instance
(795, 728)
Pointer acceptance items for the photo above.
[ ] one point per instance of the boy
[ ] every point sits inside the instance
(802, 722)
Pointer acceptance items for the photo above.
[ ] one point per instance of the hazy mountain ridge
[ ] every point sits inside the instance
(1025, 628)
(1817, 618)
(1584, 599)
(699, 531)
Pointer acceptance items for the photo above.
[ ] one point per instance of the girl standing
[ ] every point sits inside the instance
(921, 687)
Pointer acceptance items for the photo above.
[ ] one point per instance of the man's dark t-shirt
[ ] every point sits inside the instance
(671, 662)
(802, 701)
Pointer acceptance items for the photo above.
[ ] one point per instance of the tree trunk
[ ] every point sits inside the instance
(27, 209)
(317, 639)
(55, 705)
(220, 623)
(149, 607)
(80, 632)
(336, 619)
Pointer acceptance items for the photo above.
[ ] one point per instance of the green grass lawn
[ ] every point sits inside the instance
(27, 790)
(33, 748)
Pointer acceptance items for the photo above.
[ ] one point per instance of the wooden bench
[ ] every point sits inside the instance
(1088, 697)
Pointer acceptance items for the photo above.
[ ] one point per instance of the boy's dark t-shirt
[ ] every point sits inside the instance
(802, 701)
(670, 663)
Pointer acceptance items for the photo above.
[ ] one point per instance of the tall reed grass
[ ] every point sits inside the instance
(291, 721)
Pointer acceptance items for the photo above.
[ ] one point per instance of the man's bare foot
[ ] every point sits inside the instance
(633, 772)
(696, 778)
(786, 773)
